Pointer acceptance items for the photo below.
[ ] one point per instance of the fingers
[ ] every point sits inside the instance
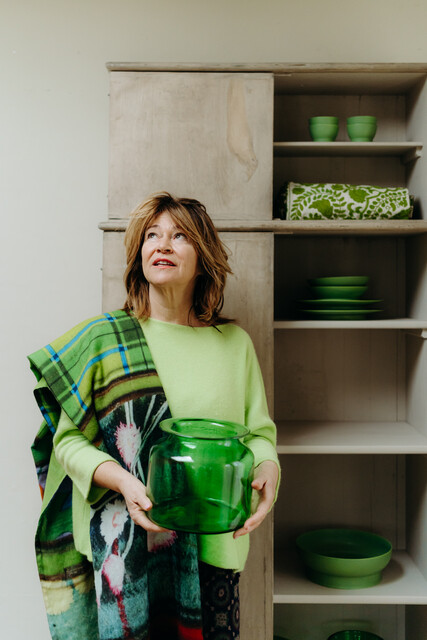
(265, 483)
(140, 518)
(138, 503)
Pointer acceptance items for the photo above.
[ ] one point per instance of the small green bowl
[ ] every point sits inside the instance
(337, 291)
(323, 132)
(339, 280)
(344, 558)
(354, 635)
(362, 129)
(370, 119)
(323, 120)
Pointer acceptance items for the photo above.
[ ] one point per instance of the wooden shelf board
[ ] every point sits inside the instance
(406, 150)
(402, 583)
(304, 227)
(413, 325)
(339, 437)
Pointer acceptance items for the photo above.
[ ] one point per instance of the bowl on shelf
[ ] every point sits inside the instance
(331, 304)
(339, 280)
(323, 128)
(354, 635)
(344, 558)
(361, 128)
(339, 291)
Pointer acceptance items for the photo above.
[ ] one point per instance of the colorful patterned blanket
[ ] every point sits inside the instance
(330, 201)
(140, 585)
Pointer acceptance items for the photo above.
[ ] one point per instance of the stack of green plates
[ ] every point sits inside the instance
(339, 298)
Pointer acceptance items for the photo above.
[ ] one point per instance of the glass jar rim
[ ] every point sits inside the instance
(204, 428)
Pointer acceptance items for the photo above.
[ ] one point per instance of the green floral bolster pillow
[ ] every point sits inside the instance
(328, 201)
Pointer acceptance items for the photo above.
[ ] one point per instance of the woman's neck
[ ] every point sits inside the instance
(173, 309)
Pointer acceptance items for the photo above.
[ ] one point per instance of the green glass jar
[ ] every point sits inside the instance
(199, 477)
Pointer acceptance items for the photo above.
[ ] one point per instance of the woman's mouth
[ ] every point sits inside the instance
(163, 263)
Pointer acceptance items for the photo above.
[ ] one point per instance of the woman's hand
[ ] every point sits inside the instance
(112, 476)
(265, 480)
(137, 502)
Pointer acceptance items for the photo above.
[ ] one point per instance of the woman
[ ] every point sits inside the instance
(107, 571)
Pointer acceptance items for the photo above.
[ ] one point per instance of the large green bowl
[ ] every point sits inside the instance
(354, 635)
(338, 291)
(344, 558)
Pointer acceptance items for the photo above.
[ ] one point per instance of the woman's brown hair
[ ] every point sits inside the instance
(191, 216)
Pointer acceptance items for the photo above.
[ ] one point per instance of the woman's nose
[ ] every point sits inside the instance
(164, 245)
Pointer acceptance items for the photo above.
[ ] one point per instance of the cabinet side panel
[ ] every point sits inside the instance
(202, 135)
(417, 130)
(416, 499)
(249, 294)
(113, 266)
(416, 277)
(416, 376)
(249, 299)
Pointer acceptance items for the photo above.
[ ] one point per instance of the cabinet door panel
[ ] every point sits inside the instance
(248, 299)
(202, 135)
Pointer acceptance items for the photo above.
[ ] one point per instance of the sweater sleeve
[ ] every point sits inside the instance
(262, 437)
(79, 458)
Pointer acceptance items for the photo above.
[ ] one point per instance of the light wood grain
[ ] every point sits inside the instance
(205, 136)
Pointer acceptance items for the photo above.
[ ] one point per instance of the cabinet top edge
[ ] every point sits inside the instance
(273, 67)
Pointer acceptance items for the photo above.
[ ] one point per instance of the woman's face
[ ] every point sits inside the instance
(168, 256)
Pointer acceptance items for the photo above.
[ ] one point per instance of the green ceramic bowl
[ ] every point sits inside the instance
(344, 558)
(365, 119)
(337, 291)
(323, 120)
(323, 132)
(339, 280)
(362, 129)
(354, 635)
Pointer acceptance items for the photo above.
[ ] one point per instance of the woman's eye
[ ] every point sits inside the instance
(150, 235)
(180, 235)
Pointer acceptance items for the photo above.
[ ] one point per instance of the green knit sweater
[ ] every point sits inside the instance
(206, 372)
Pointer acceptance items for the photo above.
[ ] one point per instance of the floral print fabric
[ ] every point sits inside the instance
(147, 584)
(330, 201)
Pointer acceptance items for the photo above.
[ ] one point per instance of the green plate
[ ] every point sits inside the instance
(340, 280)
(340, 314)
(338, 303)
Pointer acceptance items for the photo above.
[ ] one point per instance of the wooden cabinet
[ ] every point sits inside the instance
(348, 396)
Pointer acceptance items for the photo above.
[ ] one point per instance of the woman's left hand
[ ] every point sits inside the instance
(265, 480)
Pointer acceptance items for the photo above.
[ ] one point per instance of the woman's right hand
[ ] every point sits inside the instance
(112, 476)
(137, 502)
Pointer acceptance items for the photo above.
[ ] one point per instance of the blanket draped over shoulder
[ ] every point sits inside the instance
(139, 585)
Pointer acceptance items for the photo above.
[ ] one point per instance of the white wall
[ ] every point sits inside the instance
(53, 177)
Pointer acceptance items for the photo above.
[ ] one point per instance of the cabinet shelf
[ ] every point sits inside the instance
(304, 227)
(340, 437)
(402, 583)
(411, 325)
(407, 151)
